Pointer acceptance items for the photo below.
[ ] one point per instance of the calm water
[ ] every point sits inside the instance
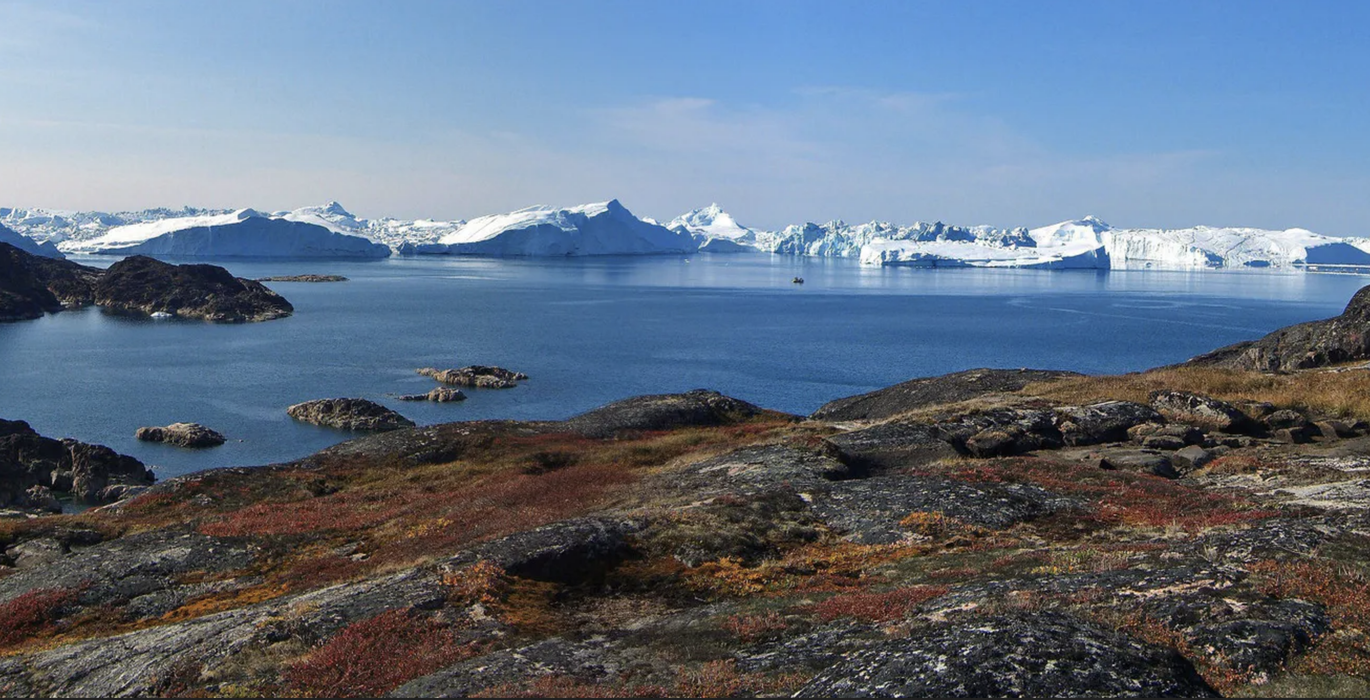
(592, 331)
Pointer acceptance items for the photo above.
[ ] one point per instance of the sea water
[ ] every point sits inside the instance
(592, 330)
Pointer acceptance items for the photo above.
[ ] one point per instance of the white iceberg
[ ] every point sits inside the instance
(243, 233)
(606, 228)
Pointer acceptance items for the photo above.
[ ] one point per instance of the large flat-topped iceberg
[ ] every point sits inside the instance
(243, 233)
(1090, 243)
(606, 228)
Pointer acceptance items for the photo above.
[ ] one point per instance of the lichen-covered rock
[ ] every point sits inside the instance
(1027, 655)
(664, 412)
(1109, 421)
(1026, 429)
(1141, 461)
(566, 552)
(1314, 344)
(932, 391)
(182, 435)
(142, 285)
(1202, 411)
(477, 376)
(349, 414)
(870, 511)
(751, 470)
(442, 394)
(893, 445)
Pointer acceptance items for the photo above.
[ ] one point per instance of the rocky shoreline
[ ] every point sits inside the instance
(1190, 531)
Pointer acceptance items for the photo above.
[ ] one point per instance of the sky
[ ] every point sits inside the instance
(1012, 113)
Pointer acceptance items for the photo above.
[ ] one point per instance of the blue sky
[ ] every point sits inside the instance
(1007, 113)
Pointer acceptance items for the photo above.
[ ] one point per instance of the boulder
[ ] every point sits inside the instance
(1284, 418)
(1191, 458)
(349, 414)
(1296, 435)
(1109, 421)
(566, 552)
(1334, 429)
(1314, 344)
(1201, 411)
(182, 435)
(1023, 655)
(477, 376)
(442, 394)
(932, 391)
(142, 285)
(893, 446)
(1142, 461)
(1026, 429)
(1163, 442)
(664, 412)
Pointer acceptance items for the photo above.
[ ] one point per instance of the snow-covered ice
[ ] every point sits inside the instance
(243, 233)
(605, 228)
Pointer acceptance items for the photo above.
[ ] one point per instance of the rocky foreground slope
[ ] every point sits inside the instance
(31, 285)
(1190, 531)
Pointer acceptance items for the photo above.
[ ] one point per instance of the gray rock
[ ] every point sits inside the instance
(1109, 421)
(1191, 458)
(182, 435)
(1334, 429)
(567, 552)
(1142, 461)
(29, 460)
(893, 446)
(869, 510)
(1163, 442)
(349, 414)
(932, 391)
(753, 470)
(1202, 411)
(1295, 435)
(1027, 655)
(1284, 418)
(1028, 429)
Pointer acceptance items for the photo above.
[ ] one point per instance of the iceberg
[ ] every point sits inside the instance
(716, 231)
(606, 228)
(243, 233)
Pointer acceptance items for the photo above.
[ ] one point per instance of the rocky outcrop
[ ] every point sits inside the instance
(31, 285)
(349, 414)
(932, 391)
(1109, 421)
(476, 376)
(182, 435)
(1345, 338)
(1201, 411)
(91, 474)
(440, 394)
(142, 285)
(664, 412)
(303, 278)
(1026, 655)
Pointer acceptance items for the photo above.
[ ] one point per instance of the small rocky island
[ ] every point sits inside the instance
(303, 278)
(477, 376)
(191, 435)
(349, 414)
(442, 394)
(1189, 531)
(31, 286)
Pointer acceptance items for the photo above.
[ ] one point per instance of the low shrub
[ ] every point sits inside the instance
(32, 613)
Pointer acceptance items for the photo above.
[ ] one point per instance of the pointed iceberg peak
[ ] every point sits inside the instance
(1094, 221)
(337, 209)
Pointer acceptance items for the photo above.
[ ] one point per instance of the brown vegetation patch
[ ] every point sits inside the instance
(1332, 394)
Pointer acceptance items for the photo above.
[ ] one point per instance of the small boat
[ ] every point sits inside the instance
(798, 280)
(162, 315)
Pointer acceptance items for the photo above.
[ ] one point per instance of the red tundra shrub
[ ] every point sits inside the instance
(376, 655)
(30, 613)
